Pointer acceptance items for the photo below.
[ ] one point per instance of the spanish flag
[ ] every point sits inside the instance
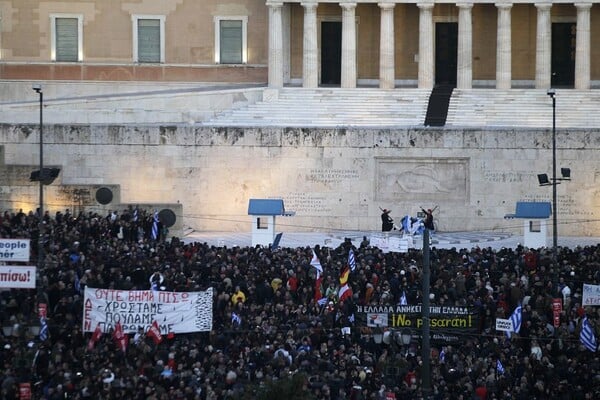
(345, 289)
(344, 274)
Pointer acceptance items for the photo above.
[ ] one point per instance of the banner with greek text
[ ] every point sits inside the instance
(17, 277)
(175, 312)
(591, 295)
(447, 323)
(14, 250)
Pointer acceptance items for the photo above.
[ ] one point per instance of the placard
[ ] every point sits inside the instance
(14, 250)
(591, 295)
(17, 276)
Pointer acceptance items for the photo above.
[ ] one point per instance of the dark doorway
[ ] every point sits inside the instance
(563, 54)
(331, 52)
(446, 52)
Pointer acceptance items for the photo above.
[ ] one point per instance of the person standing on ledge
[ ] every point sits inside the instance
(387, 223)
(428, 220)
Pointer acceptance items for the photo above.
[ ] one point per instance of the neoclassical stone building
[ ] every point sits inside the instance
(386, 43)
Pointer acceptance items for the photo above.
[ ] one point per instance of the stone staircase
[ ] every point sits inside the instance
(331, 107)
(523, 108)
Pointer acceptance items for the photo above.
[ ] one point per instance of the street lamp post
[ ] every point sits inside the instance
(552, 94)
(426, 349)
(38, 89)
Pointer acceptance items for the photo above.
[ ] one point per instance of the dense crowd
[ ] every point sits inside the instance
(269, 325)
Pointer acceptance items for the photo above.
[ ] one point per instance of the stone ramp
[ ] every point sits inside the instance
(331, 108)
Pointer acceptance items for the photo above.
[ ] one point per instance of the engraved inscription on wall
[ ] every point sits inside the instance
(507, 176)
(566, 205)
(318, 202)
(407, 179)
(306, 203)
(330, 175)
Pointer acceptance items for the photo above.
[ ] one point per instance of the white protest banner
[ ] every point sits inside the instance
(591, 295)
(17, 277)
(14, 249)
(381, 242)
(176, 312)
(504, 325)
(399, 244)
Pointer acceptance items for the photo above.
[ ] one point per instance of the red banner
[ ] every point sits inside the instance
(25, 391)
(556, 310)
(42, 310)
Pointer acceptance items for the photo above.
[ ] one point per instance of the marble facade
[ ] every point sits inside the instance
(332, 178)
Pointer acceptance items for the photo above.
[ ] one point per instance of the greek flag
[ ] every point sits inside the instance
(77, 283)
(587, 337)
(236, 319)
(351, 260)
(317, 264)
(499, 367)
(403, 301)
(322, 301)
(516, 318)
(135, 214)
(442, 356)
(155, 225)
(44, 332)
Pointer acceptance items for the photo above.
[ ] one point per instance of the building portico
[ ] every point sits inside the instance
(449, 35)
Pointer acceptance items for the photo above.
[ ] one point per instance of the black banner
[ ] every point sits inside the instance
(447, 323)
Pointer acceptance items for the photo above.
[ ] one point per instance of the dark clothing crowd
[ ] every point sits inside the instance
(275, 316)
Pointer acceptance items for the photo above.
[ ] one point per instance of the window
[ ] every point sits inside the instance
(230, 40)
(535, 226)
(262, 223)
(148, 38)
(66, 31)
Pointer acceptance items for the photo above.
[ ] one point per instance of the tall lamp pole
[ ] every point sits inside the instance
(425, 344)
(38, 89)
(552, 94)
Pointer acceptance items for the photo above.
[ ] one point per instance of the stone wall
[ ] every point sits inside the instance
(332, 178)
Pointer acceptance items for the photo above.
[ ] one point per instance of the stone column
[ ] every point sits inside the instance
(387, 72)
(543, 51)
(582, 46)
(275, 45)
(426, 78)
(464, 63)
(348, 45)
(310, 76)
(504, 47)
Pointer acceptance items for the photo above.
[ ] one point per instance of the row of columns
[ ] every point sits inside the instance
(464, 77)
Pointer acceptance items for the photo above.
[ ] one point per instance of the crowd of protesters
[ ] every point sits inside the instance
(270, 325)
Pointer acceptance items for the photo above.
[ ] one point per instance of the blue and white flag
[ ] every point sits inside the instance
(135, 215)
(587, 337)
(44, 332)
(516, 318)
(442, 356)
(77, 283)
(352, 318)
(351, 260)
(317, 264)
(322, 301)
(155, 225)
(403, 301)
(236, 319)
(499, 367)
